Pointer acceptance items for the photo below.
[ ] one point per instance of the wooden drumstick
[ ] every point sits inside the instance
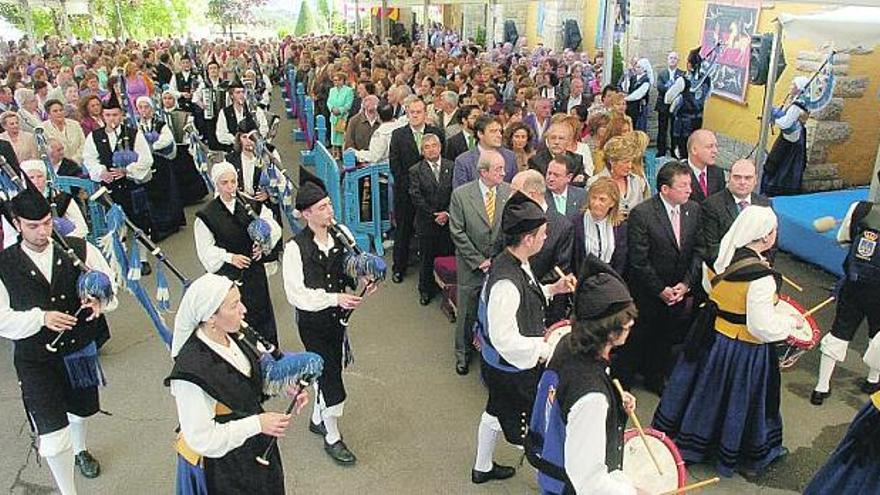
(791, 283)
(819, 306)
(693, 486)
(638, 425)
(562, 275)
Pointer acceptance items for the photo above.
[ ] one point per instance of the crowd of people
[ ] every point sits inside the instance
(516, 162)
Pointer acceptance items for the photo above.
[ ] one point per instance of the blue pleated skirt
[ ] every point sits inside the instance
(190, 478)
(724, 407)
(850, 470)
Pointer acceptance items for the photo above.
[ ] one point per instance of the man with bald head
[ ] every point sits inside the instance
(706, 178)
(361, 127)
(722, 208)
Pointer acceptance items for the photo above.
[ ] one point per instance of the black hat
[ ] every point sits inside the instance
(247, 125)
(30, 205)
(213, 61)
(112, 102)
(600, 295)
(521, 215)
(236, 83)
(185, 56)
(310, 193)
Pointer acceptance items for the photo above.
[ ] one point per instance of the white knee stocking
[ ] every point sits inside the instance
(826, 369)
(77, 432)
(57, 449)
(331, 417)
(487, 437)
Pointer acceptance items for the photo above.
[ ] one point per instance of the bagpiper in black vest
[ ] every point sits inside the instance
(232, 120)
(29, 289)
(321, 271)
(241, 396)
(862, 264)
(131, 196)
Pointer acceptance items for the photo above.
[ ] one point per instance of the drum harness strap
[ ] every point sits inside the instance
(735, 318)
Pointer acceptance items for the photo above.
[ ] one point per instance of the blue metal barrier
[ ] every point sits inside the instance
(288, 94)
(321, 130)
(367, 233)
(95, 213)
(328, 171)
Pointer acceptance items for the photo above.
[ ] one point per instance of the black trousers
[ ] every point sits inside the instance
(432, 245)
(48, 395)
(664, 132)
(404, 215)
(856, 302)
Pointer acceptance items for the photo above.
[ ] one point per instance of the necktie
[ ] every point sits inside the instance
(742, 205)
(560, 203)
(675, 218)
(470, 141)
(435, 167)
(703, 184)
(490, 205)
(418, 136)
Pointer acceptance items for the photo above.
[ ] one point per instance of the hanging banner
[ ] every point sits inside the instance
(730, 27)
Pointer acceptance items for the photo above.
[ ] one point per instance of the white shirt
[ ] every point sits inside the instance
(585, 450)
(380, 142)
(520, 351)
(573, 102)
(223, 134)
(598, 237)
(670, 208)
(298, 295)
(17, 325)
(212, 256)
(140, 171)
(196, 410)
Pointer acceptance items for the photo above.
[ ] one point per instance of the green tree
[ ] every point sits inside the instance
(228, 13)
(305, 21)
(323, 15)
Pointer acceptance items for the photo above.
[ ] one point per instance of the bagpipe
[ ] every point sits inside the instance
(276, 181)
(91, 284)
(280, 371)
(199, 151)
(358, 264)
(258, 229)
(695, 80)
(818, 90)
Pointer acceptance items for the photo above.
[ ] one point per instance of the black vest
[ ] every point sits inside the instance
(321, 271)
(530, 313)
(184, 84)
(234, 158)
(105, 153)
(230, 233)
(580, 375)
(232, 120)
(28, 289)
(235, 472)
(862, 264)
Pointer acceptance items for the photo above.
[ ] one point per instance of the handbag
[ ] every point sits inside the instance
(341, 124)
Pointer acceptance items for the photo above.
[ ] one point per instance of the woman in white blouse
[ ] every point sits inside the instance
(620, 154)
(601, 230)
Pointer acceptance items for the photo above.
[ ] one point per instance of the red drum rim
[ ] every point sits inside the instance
(814, 325)
(558, 324)
(670, 445)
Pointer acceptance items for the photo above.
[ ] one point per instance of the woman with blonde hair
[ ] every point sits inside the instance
(137, 84)
(601, 230)
(620, 154)
(22, 141)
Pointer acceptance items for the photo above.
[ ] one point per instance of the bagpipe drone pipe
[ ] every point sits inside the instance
(275, 180)
(358, 264)
(91, 284)
(258, 229)
(62, 225)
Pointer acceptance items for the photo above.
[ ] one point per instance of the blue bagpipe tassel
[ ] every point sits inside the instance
(134, 260)
(281, 374)
(347, 354)
(84, 368)
(163, 294)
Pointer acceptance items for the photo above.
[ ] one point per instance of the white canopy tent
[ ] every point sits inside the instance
(845, 27)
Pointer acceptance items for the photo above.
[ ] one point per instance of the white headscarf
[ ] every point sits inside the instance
(753, 223)
(646, 66)
(146, 99)
(201, 300)
(31, 165)
(221, 168)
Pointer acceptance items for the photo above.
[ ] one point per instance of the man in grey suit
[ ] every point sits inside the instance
(474, 224)
(722, 208)
(489, 137)
(561, 197)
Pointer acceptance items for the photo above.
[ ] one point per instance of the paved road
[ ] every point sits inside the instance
(410, 419)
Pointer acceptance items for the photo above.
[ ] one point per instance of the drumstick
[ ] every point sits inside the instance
(819, 306)
(791, 283)
(693, 486)
(562, 275)
(638, 425)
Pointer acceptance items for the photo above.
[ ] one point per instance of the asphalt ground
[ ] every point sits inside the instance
(409, 418)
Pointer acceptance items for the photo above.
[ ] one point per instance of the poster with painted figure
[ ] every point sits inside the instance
(730, 26)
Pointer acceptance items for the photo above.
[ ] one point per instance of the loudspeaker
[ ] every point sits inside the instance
(510, 33)
(571, 35)
(759, 59)
(399, 34)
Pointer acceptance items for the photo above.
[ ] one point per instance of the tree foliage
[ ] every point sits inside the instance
(305, 21)
(228, 13)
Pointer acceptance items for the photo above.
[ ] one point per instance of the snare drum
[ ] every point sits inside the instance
(640, 469)
(802, 339)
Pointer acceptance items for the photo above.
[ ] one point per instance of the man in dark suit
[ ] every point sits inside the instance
(558, 136)
(665, 256)
(163, 70)
(558, 248)
(489, 138)
(539, 121)
(8, 152)
(466, 140)
(474, 224)
(561, 197)
(665, 79)
(404, 151)
(576, 97)
(722, 208)
(706, 178)
(430, 187)
(448, 115)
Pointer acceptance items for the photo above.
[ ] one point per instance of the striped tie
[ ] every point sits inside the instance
(490, 205)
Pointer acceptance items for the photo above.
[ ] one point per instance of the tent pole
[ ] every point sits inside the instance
(382, 21)
(768, 101)
(425, 26)
(608, 42)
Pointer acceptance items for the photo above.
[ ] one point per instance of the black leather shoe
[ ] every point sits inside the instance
(462, 368)
(817, 398)
(87, 464)
(869, 388)
(146, 269)
(424, 299)
(339, 452)
(497, 473)
(317, 429)
(397, 277)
